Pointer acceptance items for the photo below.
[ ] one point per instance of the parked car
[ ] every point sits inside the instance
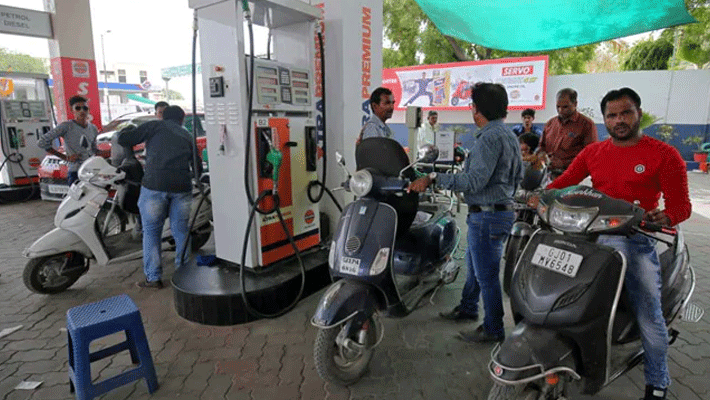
(53, 170)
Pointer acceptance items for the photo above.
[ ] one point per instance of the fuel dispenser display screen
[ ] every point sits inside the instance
(281, 87)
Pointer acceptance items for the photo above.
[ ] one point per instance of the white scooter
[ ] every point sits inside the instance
(89, 224)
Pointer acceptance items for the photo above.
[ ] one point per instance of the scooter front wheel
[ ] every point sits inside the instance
(55, 273)
(343, 358)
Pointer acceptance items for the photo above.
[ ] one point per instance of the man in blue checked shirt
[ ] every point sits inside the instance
(382, 105)
(491, 174)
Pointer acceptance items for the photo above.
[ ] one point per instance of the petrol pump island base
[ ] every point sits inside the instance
(281, 118)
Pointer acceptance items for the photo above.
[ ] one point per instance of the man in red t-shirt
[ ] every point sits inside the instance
(635, 167)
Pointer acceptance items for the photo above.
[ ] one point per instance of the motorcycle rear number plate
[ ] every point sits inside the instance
(558, 260)
(58, 189)
(350, 266)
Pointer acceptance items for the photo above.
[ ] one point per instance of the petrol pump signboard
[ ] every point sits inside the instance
(447, 86)
(73, 77)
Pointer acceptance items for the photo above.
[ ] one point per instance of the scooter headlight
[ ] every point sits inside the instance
(361, 183)
(572, 219)
(380, 263)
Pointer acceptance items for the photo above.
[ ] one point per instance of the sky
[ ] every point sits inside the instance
(154, 32)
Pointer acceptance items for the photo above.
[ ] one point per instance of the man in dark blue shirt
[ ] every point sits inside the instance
(491, 173)
(527, 126)
(166, 189)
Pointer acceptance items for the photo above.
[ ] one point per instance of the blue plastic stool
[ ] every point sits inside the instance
(96, 320)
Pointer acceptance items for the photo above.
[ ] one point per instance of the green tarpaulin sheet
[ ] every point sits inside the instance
(538, 25)
(139, 98)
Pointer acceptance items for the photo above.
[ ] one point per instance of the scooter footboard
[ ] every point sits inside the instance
(57, 241)
(530, 353)
(342, 301)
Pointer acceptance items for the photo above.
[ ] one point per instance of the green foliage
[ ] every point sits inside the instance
(648, 119)
(18, 62)
(649, 55)
(694, 43)
(666, 133)
(695, 140)
(412, 39)
(174, 95)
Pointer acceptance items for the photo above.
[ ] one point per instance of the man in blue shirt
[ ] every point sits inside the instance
(491, 173)
(382, 105)
(527, 126)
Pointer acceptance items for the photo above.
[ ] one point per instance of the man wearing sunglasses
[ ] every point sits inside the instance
(79, 137)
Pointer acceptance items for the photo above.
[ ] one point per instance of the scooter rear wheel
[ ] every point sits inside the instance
(336, 363)
(55, 273)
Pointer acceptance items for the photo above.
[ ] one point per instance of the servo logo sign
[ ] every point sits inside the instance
(518, 70)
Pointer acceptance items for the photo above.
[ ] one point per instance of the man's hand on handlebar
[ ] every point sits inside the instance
(657, 217)
(419, 185)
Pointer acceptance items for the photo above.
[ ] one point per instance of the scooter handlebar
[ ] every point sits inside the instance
(653, 227)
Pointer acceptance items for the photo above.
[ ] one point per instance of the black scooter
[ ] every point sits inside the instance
(383, 261)
(574, 329)
(526, 222)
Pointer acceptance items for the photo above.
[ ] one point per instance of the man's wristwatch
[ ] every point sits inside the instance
(432, 177)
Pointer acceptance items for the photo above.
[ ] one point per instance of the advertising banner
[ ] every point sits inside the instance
(75, 77)
(447, 86)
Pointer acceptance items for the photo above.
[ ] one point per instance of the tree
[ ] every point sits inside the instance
(649, 55)
(18, 62)
(174, 95)
(411, 38)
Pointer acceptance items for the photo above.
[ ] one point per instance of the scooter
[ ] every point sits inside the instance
(462, 92)
(388, 252)
(89, 224)
(575, 331)
(526, 222)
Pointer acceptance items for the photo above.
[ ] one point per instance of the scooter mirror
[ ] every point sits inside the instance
(428, 153)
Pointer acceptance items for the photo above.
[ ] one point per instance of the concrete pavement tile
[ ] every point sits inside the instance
(40, 367)
(254, 345)
(126, 391)
(172, 351)
(291, 372)
(24, 345)
(196, 382)
(236, 338)
(214, 355)
(271, 357)
(311, 389)
(335, 392)
(238, 392)
(237, 367)
(683, 392)
(217, 387)
(281, 392)
(50, 378)
(18, 395)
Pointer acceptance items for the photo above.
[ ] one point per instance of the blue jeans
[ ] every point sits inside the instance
(643, 286)
(155, 206)
(487, 232)
(72, 177)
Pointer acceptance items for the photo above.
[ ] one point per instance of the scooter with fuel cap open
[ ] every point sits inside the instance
(389, 251)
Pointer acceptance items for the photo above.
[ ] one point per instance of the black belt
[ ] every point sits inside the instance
(495, 207)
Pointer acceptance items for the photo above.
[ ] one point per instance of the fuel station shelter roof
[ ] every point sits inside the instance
(539, 25)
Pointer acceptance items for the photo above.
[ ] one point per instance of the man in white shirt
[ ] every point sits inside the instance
(428, 130)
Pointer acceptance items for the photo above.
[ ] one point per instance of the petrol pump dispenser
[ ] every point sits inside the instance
(25, 114)
(262, 147)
